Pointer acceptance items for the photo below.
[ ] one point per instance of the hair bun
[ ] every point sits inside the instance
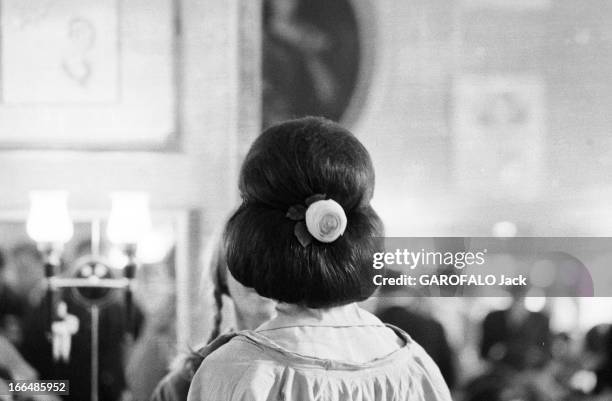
(301, 180)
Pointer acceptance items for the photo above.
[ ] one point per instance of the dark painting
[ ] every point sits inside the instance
(311, 54)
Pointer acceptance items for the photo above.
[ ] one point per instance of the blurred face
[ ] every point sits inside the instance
(251, 309)
(29, 271)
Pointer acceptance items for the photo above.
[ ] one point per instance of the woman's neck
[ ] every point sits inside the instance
(296, 315)
(348, 310)
(344, 333)
(249, 321)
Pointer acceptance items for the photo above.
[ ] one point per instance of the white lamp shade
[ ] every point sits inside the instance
(156, 244)
(48, 219)
(130, 218)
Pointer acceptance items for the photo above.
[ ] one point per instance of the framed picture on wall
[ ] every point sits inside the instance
(316, 59)
(97, 74)
(499, 124)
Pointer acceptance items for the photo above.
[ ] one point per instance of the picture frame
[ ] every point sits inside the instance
(499, 133)
(105, 78)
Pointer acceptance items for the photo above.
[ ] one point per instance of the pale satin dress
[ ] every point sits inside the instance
(335, 354)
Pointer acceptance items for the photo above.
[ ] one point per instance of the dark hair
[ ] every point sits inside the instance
(287, 164)
(598, 340)
(218, 276)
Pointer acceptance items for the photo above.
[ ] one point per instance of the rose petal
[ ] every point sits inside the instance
(302, 234)
(328, 224)
(296, 212)
(314, 198)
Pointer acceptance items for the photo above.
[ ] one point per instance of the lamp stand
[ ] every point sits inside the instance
(51, 254)
(95, 344)
(129, 272)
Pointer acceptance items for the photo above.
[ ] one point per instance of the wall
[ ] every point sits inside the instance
(202, 174)
(422, 47)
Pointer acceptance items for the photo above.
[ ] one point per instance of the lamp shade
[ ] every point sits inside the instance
(156, 244)
(48, 219)
(130, 218)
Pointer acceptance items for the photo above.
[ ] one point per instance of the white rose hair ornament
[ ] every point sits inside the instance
(319, 218)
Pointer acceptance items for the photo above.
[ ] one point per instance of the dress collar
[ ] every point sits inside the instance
(291, 315)
(283, 354)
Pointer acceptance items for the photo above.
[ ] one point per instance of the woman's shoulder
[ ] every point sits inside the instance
(426, 372)
(239, 347)
(249, 367)
(240, 367)
(236, 358)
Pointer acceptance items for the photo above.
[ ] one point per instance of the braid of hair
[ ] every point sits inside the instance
(217, 274)
(218, 316)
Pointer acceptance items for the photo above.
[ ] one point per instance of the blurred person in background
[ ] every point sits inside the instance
(408, 311)
(12, 311)
(555, 379)
(516, 344)
(115, 338)
(156, 347)
(29, 272)
(13, 307)
(249, 311)
(495, 387)
(12, 365)
(516, 337)
(597, 358)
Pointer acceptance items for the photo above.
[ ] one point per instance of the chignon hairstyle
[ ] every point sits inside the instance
(287, 164)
